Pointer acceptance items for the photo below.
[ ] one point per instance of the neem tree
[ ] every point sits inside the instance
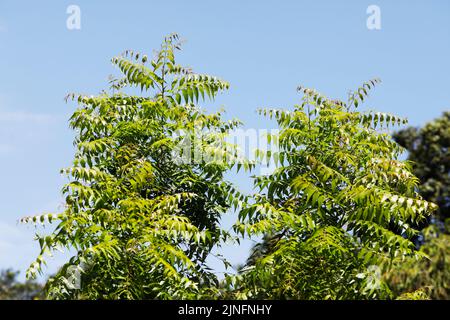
(142, 212)
(429, 153)
(337, 211)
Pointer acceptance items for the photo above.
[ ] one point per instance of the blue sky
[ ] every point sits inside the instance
(265, 49)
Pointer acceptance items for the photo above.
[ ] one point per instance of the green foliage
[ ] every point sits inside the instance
(416, 295)
(12, 289)
(141, 215)
(431, 274)
(146, 192)
(429, 152)
(338, 208)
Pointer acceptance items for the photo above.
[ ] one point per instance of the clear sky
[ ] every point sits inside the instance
(265, 49)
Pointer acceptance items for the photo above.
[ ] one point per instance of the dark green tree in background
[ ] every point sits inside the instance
(429, 153)
(13, 289)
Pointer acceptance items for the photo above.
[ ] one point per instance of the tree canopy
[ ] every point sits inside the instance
(142, 212)
(338, 210)
(147, 190)
(429, 152)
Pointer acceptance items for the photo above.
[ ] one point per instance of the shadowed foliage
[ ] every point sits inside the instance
(13, 289)
(429, 151)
